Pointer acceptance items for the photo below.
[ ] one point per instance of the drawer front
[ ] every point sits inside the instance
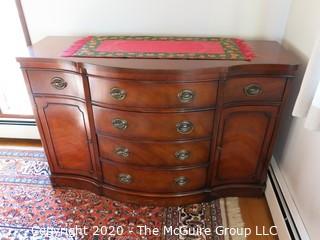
(159, 126)
(156, 154)
(254, 89)
(148, 94)
(57, 83)
(153, 181)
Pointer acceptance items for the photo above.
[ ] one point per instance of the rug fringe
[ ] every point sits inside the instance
(233, 217)
(245, 49)
(224, 215)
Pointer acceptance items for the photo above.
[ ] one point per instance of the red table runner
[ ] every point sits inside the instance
(160, 47)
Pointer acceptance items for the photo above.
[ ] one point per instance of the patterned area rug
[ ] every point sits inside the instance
(31, 209)
(211, 48)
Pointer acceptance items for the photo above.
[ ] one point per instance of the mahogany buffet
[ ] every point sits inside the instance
(157, 131)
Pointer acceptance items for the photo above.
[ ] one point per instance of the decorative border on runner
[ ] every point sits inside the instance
(235, 48)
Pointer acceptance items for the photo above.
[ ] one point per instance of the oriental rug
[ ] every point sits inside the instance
(31, 209)
(212, 48)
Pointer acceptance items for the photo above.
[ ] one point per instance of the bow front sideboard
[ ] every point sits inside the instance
(157, 131)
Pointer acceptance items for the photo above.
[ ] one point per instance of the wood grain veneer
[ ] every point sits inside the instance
(234, 108)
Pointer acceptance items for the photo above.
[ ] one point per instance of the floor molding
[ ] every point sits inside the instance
(282, 207)
(18, 128)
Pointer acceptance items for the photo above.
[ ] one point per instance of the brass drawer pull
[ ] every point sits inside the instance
(125, 178)
(122, 152)
(182, 155)
(118, 93)
(58, 83)
(181, 181)
(184, 127)
(120, 123)
(253, 90)
(186, 96)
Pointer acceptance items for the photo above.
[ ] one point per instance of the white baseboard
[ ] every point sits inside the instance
(12, 129)
(289, 213)
(276, 213)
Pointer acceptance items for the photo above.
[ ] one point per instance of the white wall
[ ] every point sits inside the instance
(13, 94)
(298, 150)
(251, 19)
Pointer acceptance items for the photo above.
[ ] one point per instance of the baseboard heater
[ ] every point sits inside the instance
(18, 128)
(283, 210)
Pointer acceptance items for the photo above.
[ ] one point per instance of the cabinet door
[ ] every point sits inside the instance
(65, 126)
(243, 143)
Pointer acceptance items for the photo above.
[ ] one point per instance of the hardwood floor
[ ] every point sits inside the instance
(20, 142)
(255, 211)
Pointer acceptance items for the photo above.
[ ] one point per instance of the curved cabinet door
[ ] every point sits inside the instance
(243, 144)
(66, 130)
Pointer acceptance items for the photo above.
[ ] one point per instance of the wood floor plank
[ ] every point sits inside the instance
(20, 142)
(256, 214)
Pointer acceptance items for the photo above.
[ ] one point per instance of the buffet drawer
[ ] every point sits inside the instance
(157, 154)
(153, 181)
(254, 89)
(148, 94)
(158, 126)
(56, 82)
